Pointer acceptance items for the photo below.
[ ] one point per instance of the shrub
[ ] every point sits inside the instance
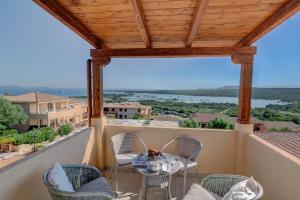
(190, 124)
(6, 140)
(35, 136)
(283, 129)
(137, 116)
(45, 134)
(8, 132)
(231, 126)
(218, 124)
(64, 129)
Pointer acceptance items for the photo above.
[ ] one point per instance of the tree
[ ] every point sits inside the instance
(10, 114)
(218, 124)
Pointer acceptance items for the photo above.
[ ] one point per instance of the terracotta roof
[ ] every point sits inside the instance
(31, 97)
(288, 141)
(172, 118)
(205, 117)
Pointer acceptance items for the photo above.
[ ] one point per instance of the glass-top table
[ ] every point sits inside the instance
(157, 172)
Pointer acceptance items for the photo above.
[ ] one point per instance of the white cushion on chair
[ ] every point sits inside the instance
(125, 158)
(197, 192)
(182, 161)
(58, 178)
(244, 190)
(97, 185)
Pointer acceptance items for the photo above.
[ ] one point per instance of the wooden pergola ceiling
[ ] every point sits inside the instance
(126, 24)
(132, 24)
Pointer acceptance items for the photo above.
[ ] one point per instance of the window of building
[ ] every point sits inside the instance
(120, 116)
(113, 110)
(50, 106)
(125, 116)
(125, 109)
(106, 109)
(120, 109)
(139, 110)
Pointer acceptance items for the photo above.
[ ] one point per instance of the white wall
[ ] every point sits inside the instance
(277, 170)
(218, 154)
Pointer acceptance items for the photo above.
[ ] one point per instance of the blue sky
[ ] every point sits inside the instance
(37, 50)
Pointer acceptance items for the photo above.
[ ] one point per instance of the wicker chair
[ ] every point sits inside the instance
(188, 152)
(219, 184)
(122, 146)
(78, 175)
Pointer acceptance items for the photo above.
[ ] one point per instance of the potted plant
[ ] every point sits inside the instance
(7, 144)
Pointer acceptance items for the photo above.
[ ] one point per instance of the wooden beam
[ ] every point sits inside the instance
(282, 14)
(60, 13)
(199, 12)
(98, 64)
(173, 52)
(140, 18)
(244, 111)
(97, 90)
(89, 91)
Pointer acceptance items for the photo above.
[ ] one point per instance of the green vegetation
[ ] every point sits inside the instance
(185, 110)
(64, 129)
(115, 98)
(137, 116)
(33, 136)
(218, 123)
(292, 107)
(10, 114)
(283, 94)
(190, 124)
(284, 129)
(8, 132)
(231, 112)
(273, 115)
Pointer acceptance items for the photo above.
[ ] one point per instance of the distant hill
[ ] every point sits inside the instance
(229, 87)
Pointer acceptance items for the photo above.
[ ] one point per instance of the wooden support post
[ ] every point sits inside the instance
(89, 91)
(244, 113)
(98, 64)
(245, 92)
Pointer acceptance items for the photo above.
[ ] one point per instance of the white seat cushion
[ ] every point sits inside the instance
(125, 158)
(197, 192)
(98, 185)
(182, 161)
(244, 190)
(58, 178)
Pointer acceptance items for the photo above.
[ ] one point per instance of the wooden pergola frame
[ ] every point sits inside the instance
(242, 53)
(59, 12)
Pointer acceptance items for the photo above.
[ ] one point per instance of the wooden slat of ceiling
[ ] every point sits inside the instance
(283, 13)
(169, 21)
(138, 12)
(113, 21)
(225, 20)
(226, 23)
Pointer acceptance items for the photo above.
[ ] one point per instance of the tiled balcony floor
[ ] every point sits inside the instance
(130, 183)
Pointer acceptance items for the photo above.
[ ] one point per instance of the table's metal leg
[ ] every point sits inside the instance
(143, 190)
(169, 186)
(145, 187)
